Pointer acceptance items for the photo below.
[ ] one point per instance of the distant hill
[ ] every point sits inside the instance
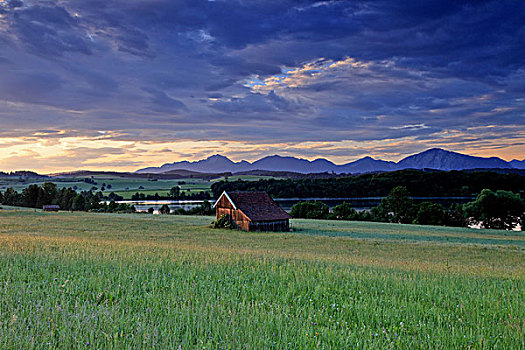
(368, 165)
(434, 158)
(22, 174)
(440, 159)
(213, 164)
(517, 164)
(168, 175)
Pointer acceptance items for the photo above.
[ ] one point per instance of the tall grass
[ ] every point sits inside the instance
(137, 281)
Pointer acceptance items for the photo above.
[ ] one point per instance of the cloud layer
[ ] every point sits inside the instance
(336, 79)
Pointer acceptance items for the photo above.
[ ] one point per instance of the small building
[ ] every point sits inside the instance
(50, 207)
(252, 211)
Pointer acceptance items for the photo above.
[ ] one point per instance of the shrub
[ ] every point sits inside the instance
(224, 221)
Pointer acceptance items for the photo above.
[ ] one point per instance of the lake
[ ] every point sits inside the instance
(364, 203)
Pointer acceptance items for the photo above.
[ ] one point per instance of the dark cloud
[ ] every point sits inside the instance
(37, 87)
(135, 42)
(161, 102)
(194, 69)
(14, 3)
(48, 30)
(4, 60)
(266, 106)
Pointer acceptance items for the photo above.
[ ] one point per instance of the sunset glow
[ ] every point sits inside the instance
(135, 84)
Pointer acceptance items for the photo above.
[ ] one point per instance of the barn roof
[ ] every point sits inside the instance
(257, 206)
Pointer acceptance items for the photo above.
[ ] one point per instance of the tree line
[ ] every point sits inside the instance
(205, 209)
(35, 196)
(491, 209)
(419, 183)
(175, 193)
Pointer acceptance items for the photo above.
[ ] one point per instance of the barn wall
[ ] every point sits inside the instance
(225, 207)
(241, 220)
(274, 226)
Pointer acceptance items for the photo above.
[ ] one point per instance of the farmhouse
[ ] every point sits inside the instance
(252, 211)
(50, 208)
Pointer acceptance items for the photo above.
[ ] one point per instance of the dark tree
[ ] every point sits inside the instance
(454, 216)
(497, 210)
(115, 197)
(310, 210)
(30, 196)
(164, 209)
(65, 198)
(400, 205)
(112, 206)
(206, 208)
(11, 197)
(175, 192)
(381, 214)
(79, 203)
(344, 211)
(429, 213)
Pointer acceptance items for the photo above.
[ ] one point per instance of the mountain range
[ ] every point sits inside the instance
(434, 158)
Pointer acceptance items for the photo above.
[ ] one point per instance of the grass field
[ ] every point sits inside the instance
(79, 280)
(125, 186)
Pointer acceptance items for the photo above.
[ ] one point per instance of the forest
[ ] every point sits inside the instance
(418, 183)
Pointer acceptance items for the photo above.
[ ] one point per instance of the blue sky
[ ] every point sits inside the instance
(125, 84)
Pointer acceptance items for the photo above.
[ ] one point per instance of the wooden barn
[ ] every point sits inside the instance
(252, 211)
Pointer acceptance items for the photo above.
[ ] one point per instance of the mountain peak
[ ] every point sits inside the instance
(437, 150)
(434, 158)
(517, 164)
(217, 156)
(440, 159)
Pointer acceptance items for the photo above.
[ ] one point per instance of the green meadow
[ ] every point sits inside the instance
(124, 186)
(83, 280)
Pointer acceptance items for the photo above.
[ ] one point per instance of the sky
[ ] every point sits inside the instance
(125, 84)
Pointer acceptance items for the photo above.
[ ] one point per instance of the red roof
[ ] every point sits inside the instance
(257, 206)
